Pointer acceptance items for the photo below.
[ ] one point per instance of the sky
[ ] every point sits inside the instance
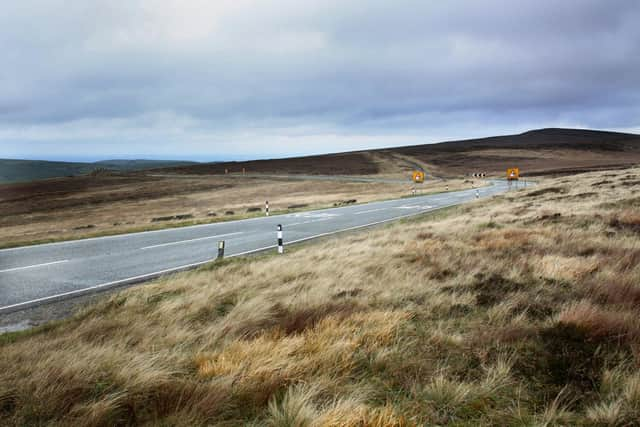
(238, 79)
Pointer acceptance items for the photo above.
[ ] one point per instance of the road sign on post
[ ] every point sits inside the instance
(513, 174)
(418, 176)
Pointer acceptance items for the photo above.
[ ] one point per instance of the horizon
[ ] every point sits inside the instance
(221, 159)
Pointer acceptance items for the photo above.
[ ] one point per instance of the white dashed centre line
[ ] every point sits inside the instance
(369, 211)
(33, 266)
(190, 240)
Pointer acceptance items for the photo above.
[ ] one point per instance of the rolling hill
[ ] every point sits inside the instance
(15, 170)
(537, 152)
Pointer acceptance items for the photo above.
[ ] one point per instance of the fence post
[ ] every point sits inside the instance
(221, 249)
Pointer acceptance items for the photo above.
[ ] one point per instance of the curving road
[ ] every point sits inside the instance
(33, 275)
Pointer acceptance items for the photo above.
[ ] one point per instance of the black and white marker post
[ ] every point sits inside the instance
(280, 244)
(221, 249)
(266, 208)
(477, 194)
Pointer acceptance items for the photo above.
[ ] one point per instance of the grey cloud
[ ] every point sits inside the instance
(169, 75)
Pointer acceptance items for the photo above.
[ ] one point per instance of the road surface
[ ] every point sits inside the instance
(33, 275)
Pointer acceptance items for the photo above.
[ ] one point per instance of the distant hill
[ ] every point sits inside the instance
(536, 152)
(12, 170)
(542, 151)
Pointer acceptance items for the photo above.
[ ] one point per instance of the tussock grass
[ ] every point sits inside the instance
(511, 311)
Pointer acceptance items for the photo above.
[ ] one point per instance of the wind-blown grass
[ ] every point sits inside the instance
(440, 320)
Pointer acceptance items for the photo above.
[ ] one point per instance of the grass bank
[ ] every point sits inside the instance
(520, 310)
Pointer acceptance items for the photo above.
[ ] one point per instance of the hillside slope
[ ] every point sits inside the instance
(519, 310)
(16, 170)
(536, 152)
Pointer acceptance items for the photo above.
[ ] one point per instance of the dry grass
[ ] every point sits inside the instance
(512, 311)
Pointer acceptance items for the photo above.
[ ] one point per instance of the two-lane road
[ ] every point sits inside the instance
(33, 275)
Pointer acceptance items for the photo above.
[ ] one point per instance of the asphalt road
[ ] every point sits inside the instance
(33, 275)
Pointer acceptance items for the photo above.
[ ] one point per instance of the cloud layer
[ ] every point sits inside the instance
(242, 78)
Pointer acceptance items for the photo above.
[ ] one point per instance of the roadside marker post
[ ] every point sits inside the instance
(266, 208)
(280, 244)
(220, 249)
(477, 194)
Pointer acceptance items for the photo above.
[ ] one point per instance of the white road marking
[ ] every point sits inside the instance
(34, 266)
(307, 222)
(315, 215)
(190, 240)
(369, 211)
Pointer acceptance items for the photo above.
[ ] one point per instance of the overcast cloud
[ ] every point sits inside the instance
(235, 79)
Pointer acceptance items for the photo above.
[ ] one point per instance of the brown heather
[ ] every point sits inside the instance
(520, 310)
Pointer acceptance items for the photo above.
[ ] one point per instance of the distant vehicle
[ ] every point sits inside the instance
(418, 176)
(513, 174)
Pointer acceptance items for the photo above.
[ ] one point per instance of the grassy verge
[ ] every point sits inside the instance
(519, 310)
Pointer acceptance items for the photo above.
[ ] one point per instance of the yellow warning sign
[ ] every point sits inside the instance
(418, 176)
(513, 174)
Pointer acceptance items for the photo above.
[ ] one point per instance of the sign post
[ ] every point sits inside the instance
(417, 176)
(513, 175)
